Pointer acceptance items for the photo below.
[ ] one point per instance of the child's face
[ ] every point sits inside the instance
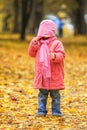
(44, 38)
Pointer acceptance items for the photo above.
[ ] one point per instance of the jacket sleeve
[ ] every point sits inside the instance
(32, 49)
(59, 53)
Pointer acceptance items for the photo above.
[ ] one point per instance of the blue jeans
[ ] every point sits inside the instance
(42, 102)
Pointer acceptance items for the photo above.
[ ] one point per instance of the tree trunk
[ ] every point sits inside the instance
(79, 18)
(39, 14)
(33, 19)
(16, 15)
(85, 16)
(36, 16)
(26, 12)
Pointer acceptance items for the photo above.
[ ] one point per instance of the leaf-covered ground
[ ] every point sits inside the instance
(18, 99)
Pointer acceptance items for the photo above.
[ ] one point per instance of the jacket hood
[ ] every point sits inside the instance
(47, 28)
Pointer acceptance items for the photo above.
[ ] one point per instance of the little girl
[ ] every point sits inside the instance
(49, 67)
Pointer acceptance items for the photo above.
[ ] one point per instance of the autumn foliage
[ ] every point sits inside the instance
(18, 99)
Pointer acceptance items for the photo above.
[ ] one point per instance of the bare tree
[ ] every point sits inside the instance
(32, 20)
(26, 13)
(80, 24)
(16, 15)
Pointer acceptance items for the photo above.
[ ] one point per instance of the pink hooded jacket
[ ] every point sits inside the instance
(56, 81)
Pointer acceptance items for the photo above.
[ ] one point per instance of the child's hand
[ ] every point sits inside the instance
(52, 56)
(35, 40)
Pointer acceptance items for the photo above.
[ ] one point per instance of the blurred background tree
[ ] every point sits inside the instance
(16, 15)
(24, 16)
(80, 17)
